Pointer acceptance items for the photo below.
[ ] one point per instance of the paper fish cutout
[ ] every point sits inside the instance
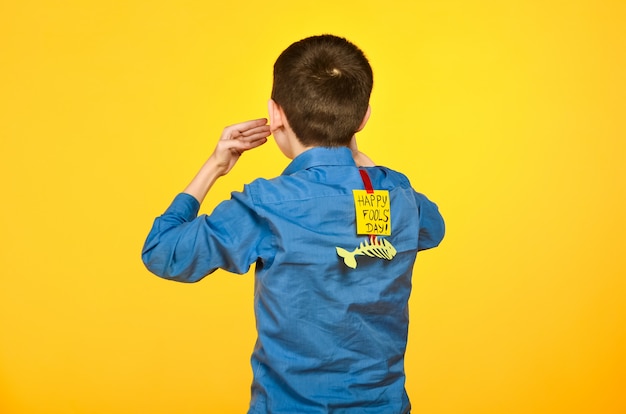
(372, 246)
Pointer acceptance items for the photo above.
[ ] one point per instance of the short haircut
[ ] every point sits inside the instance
(323, 84)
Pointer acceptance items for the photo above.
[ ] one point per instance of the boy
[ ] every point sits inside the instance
(334, 244)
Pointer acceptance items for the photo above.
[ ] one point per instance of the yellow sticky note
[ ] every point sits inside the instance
(373, 212)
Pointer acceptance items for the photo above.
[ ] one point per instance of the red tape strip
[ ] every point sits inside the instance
(366, 181)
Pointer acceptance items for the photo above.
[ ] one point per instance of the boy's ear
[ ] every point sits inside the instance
(365, 118)
(276, 114)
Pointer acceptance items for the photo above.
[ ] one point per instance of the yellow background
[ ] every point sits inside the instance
(509, 114)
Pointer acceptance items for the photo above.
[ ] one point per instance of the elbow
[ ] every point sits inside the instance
(154, 266)
(432, 236)
(440, 233)
(160, 266)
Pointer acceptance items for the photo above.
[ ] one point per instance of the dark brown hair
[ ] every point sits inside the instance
(323, 83)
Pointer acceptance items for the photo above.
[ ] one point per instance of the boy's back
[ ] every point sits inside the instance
(330, 302)
(337, 334)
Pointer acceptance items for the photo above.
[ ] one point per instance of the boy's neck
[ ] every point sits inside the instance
(298, 148)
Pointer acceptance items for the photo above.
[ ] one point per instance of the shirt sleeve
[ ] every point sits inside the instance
(185, 247)
(432, 226)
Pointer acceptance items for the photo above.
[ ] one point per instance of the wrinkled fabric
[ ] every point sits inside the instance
(331, 339)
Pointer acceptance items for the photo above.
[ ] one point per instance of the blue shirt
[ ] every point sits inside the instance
(331, 338)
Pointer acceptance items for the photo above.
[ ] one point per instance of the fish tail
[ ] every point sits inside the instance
(348, 257)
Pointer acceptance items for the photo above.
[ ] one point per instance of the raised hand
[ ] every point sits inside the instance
(360, 158)
(234, 141)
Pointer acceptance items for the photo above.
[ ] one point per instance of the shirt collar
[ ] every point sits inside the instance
(320, 156)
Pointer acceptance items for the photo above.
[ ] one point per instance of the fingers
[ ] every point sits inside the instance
(235, 140)
(242, 144)
(255, 134)
(253, 129)
(245, 136)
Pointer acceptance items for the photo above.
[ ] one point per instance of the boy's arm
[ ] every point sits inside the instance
(432, 226)
(171, 249)
(234, 141)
